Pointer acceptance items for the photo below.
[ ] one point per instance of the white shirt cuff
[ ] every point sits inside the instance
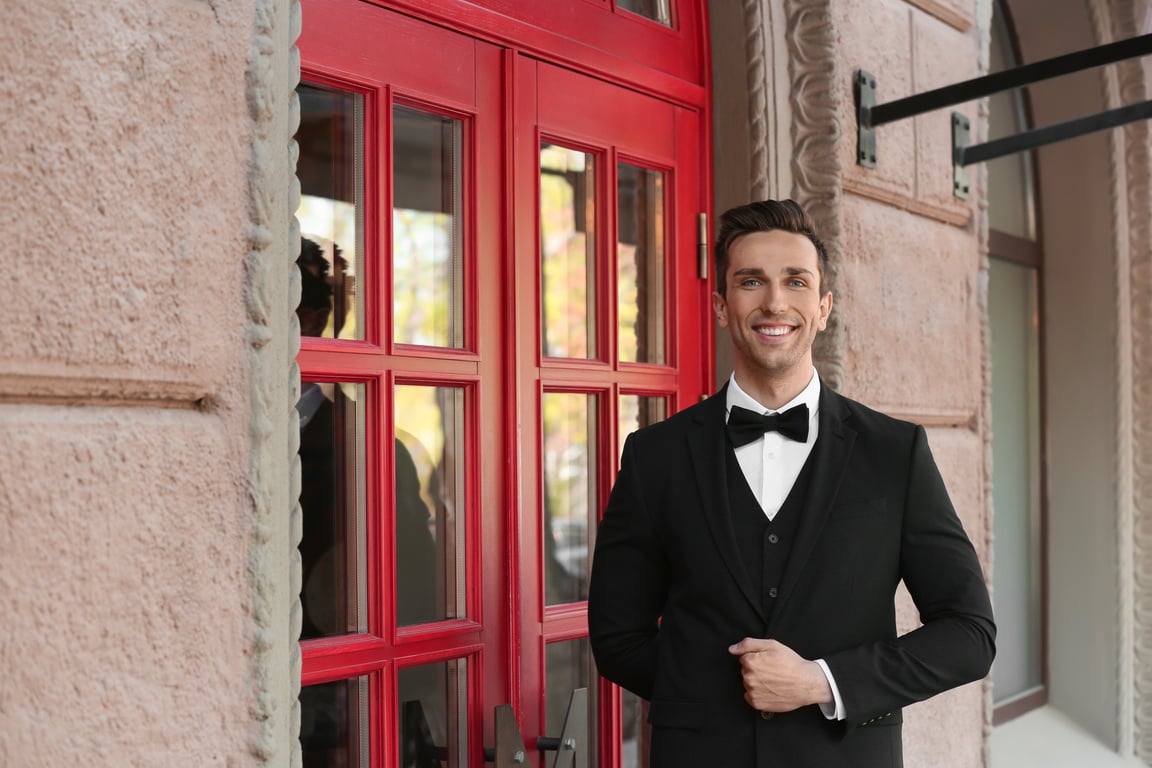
(835, 710)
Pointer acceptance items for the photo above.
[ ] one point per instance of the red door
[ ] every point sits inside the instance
(498, 282)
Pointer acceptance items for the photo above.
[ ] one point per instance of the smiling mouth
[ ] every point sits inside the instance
(775, 331)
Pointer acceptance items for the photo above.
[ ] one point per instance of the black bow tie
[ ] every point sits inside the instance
(744, 425)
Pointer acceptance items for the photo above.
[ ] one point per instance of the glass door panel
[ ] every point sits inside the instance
(427, 248)
(334, 724)
(331, 213)
(569, 492)
(640, 264)
(568, 665)
(568, 251)
(430, 503)
(432, 710)
(332, 499)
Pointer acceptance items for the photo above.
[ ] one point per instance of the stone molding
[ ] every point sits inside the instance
(1133, 169)
(273, 337)
(815, 97)
(946, 12)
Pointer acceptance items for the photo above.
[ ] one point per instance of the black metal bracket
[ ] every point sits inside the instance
(864, 88)
(870, 115)
(960, 130)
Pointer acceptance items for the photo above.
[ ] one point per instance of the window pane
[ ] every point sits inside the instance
(1016, 479)
(427, 251)
(331, 213)
(657, 10)
(432, 707)
(636, 411)
(567, 252)
(1011, 204)
(334, 724)
(569, 494)
(430, 504)
(332, 549)
(640, 264)
(568, 665)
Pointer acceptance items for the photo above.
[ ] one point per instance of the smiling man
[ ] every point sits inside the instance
(746, 565)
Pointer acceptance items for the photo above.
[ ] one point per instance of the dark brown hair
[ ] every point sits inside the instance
(764, 216)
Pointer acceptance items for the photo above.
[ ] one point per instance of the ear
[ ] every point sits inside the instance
(825, 310)
(720, 309)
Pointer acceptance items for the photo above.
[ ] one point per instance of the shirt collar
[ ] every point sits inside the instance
(810, 396)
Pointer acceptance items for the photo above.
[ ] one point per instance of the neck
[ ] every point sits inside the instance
(774, 391)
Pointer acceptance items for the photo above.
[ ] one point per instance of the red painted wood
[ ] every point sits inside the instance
(513, 71)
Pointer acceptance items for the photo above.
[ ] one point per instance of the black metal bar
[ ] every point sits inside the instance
(1049, 134)
(1010, 78)
(545, 743)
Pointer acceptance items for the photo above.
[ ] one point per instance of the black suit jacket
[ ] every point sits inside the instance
(668, 594)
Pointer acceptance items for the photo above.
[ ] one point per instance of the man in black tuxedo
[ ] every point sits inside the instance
(746, 566)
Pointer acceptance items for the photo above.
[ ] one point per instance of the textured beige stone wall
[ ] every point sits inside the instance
(125, 517)
(912, 292)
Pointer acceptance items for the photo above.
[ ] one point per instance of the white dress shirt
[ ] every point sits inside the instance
(771, 465)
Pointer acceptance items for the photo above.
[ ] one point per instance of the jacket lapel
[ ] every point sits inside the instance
(709, 448)
(830, 460)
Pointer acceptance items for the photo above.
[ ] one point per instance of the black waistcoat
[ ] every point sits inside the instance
(765, 544)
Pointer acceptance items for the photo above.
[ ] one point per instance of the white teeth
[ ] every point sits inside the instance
(773, 331)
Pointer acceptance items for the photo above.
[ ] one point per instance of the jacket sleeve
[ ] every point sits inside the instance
(956, 642)
(628, 585)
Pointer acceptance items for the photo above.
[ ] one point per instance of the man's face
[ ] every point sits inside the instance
(772, 305)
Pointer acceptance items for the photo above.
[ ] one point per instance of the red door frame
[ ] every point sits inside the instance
(498, 382)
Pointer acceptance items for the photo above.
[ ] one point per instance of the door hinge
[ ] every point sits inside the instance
(702, 246)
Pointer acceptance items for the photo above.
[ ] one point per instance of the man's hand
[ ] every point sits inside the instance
(777, 679)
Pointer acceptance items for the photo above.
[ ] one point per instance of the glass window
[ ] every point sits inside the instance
(334, 724)
(569, 514)
(1016, 580)
(427, 248)
(640, 264)
(332, 548)
(636, 411)
(567, 252)
(657, 10)
(331, 213)
(1011, 203)
(568, 665)
(432, 704)
(430, 519)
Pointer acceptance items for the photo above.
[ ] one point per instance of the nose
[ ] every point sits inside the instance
(774, 301)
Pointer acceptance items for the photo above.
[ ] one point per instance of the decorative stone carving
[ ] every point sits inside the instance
(273, 339)
(816, 130)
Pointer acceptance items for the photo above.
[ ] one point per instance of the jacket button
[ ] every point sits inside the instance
(767, 715)
(773, 538)
(772, 592)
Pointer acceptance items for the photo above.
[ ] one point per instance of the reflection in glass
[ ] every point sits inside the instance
(331, 212)
(657, 10)
(334, 724)
(569, 494)
(568, 665)
(430, 504)
(332, 548)
(567, 252)
(640, 264)
(432, 707)
(635, 733)
(636, 411)
(427, 256)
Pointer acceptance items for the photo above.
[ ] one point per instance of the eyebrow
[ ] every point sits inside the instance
(754, 271)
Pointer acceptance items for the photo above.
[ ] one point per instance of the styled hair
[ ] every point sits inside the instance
(764, 216)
